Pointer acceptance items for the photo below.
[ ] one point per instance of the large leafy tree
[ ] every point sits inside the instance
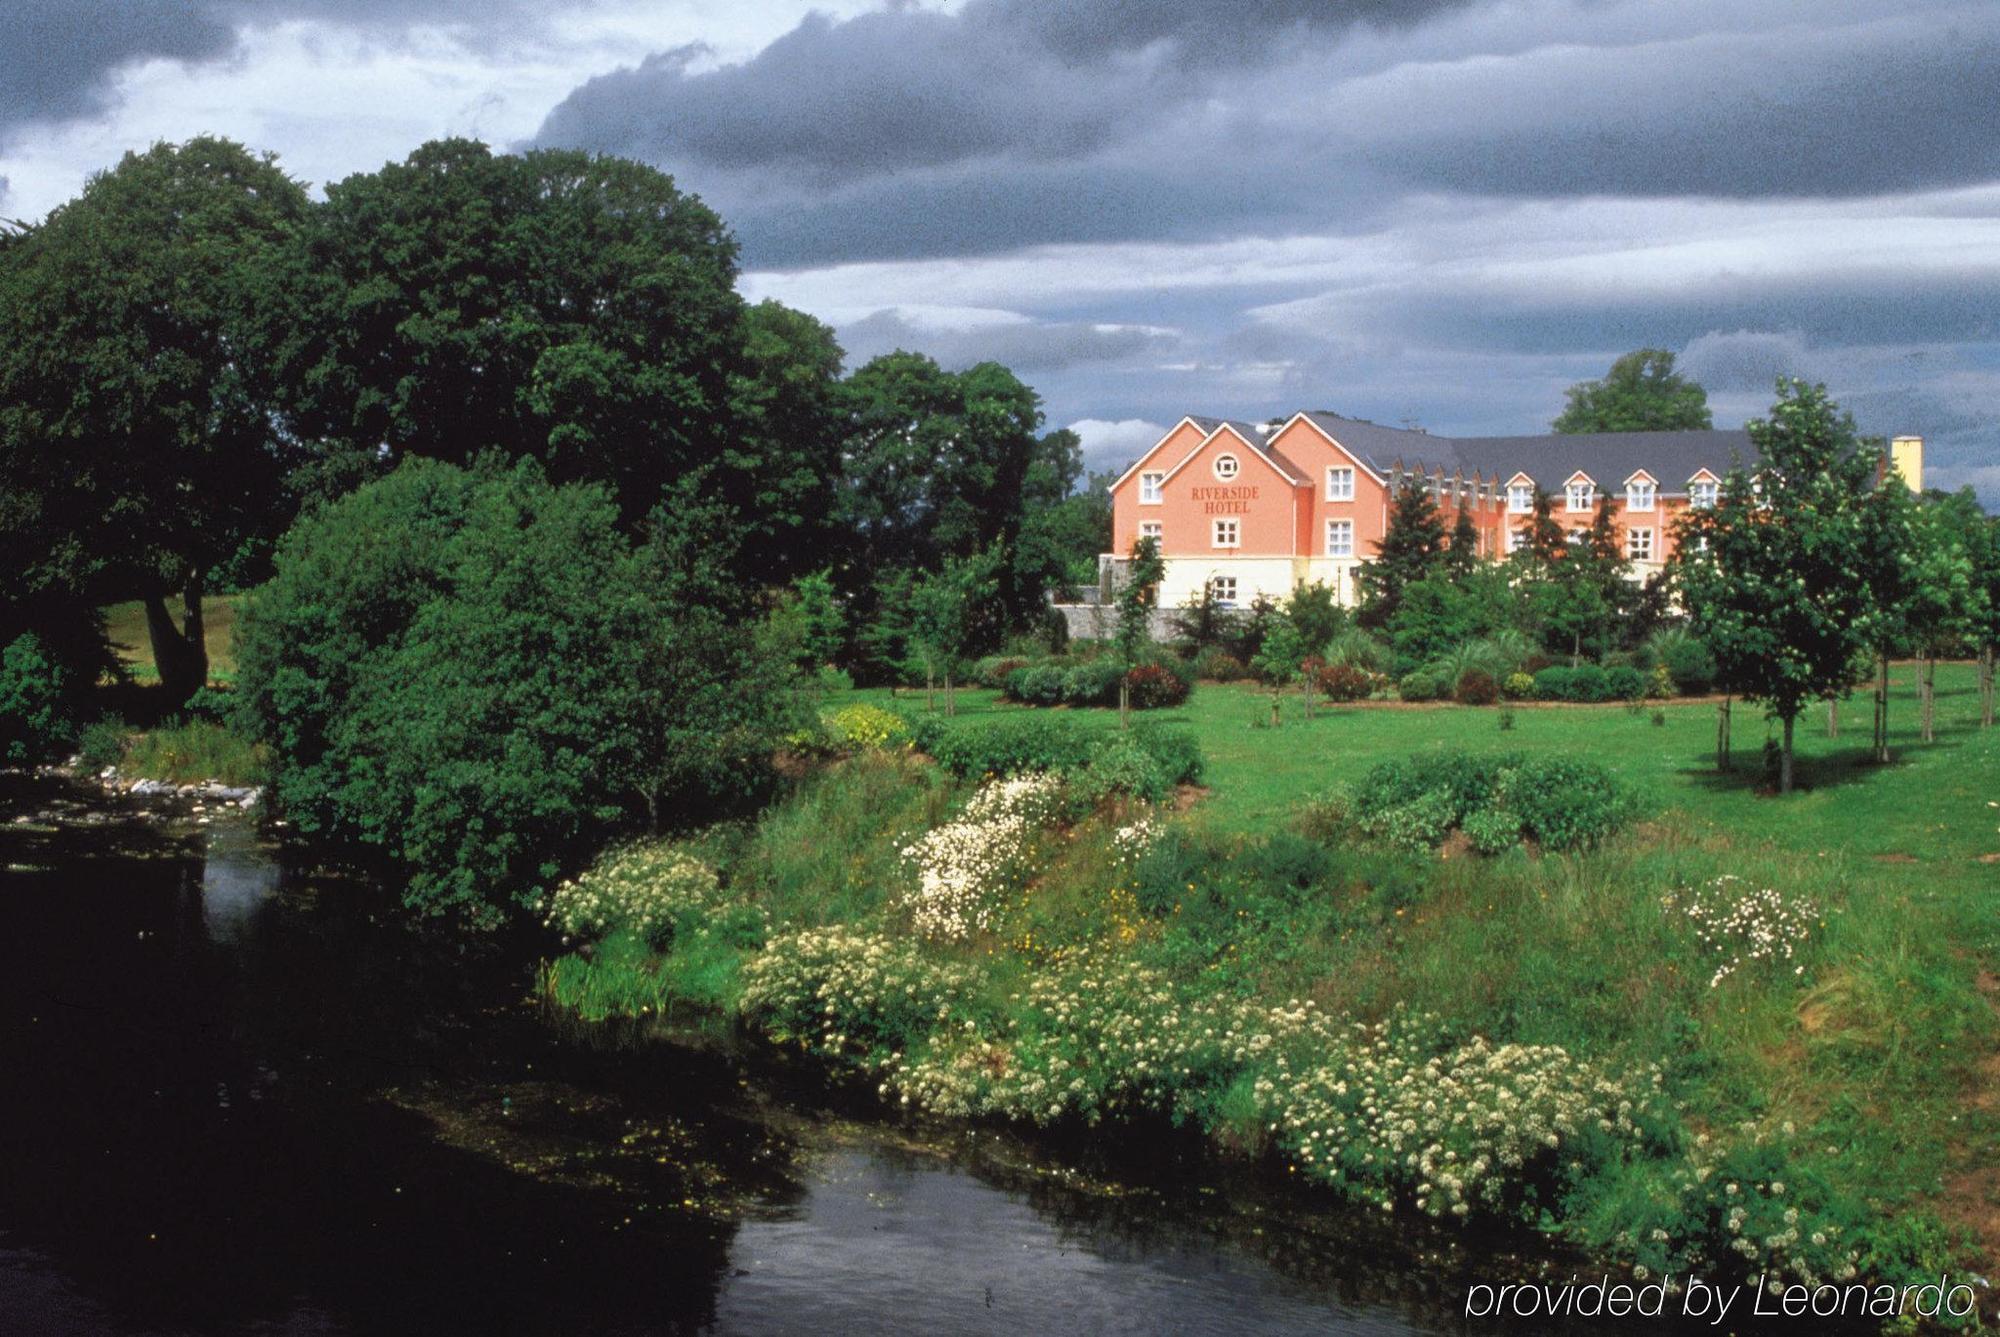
(1775, 576)
(478, 675)
(780, 445)
(939, 464)
(137, 451)
(576, 309)
(1641, 393)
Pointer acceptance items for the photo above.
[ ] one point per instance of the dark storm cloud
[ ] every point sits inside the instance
(1012, 122)
(58, 58)
(1900, 103)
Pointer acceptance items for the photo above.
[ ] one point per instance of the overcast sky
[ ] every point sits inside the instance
(1429, 211)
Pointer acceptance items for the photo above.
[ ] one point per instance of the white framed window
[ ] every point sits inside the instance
(1702, 495)
(1222, 589)
(1340, 538)
(1227, 534)
(1152, 529)
(1151, 488)
(1638, 496)
(1581, 495)
(1639, 545)
(1340, 485)
(1520, 498)
(1227, 467)
(1517, 539)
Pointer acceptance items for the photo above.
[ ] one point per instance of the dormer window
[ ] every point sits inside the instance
(1227, 467)
(1151, 485)
(1702, 494)
(1520, 498)
(1581, 494)
(1639, 495)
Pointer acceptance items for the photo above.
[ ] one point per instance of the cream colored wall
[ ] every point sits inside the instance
(1273, 577)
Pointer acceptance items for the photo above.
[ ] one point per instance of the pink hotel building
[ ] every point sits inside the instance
(1248, 509)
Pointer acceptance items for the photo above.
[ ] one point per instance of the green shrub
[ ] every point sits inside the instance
(1475, 687)
(1690, 665)
(1215, 664)
(102, 744)
(1125, 768)
(1036, 685)
(1176, 750)
(994, 670)
(1623, 683)
(1565, 803)
(1587, 683)
(188, 749)
(1006, 745)
(35, 718)
(1659, 683)
(1562, 803)
(1093, 682)
(1518, 686)
(1421, 685)
(1493, 829)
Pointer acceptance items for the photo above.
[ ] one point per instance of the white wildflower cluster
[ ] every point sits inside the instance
(1396, 1109)
(853, 996)
(1102, 1037)
(1129, 843)
(963, 868)
(1742, 925)
(1734, 1197)
(646, 889)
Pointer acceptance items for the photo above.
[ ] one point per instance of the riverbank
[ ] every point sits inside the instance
(1545, 1044)
(250, 1096)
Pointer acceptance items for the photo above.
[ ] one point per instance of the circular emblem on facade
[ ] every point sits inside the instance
(1227, 467)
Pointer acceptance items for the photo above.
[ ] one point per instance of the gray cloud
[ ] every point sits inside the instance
(1010, 123)
(1024, 345)
(59, 58)
(1747, 361)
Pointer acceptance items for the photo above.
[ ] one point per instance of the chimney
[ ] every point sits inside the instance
(1906, 457)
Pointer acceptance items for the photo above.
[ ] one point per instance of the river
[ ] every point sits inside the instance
(244, 1097)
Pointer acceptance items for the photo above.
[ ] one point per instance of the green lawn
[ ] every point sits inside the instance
(1931, 805)
(126, 625)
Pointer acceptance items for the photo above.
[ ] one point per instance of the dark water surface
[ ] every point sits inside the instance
(237, 1098)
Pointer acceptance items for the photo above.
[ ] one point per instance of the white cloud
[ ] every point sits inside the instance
(1114, 445)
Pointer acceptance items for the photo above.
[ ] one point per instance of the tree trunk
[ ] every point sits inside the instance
(1833, 717)
(180, 653)
(1309, 696)
(1124, 703)
(1274, 705)
(950, 697)
(1882, 708)
(1785, 758)
(1722, 734)
(930, 686)
(1929, 695)
(1986, 687)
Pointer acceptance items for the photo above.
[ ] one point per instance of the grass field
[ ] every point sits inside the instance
(126, 625)
(1930, 806)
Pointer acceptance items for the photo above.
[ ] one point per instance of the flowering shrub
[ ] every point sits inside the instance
(859, 997)
(1151, 687)
(863, 725)
(1399, 1109)
(1344, 682)
(963, 867)
(1518, 686)
(648, 890)
(1742, 926)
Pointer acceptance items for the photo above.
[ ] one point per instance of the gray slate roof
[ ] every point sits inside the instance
(1608, 457)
